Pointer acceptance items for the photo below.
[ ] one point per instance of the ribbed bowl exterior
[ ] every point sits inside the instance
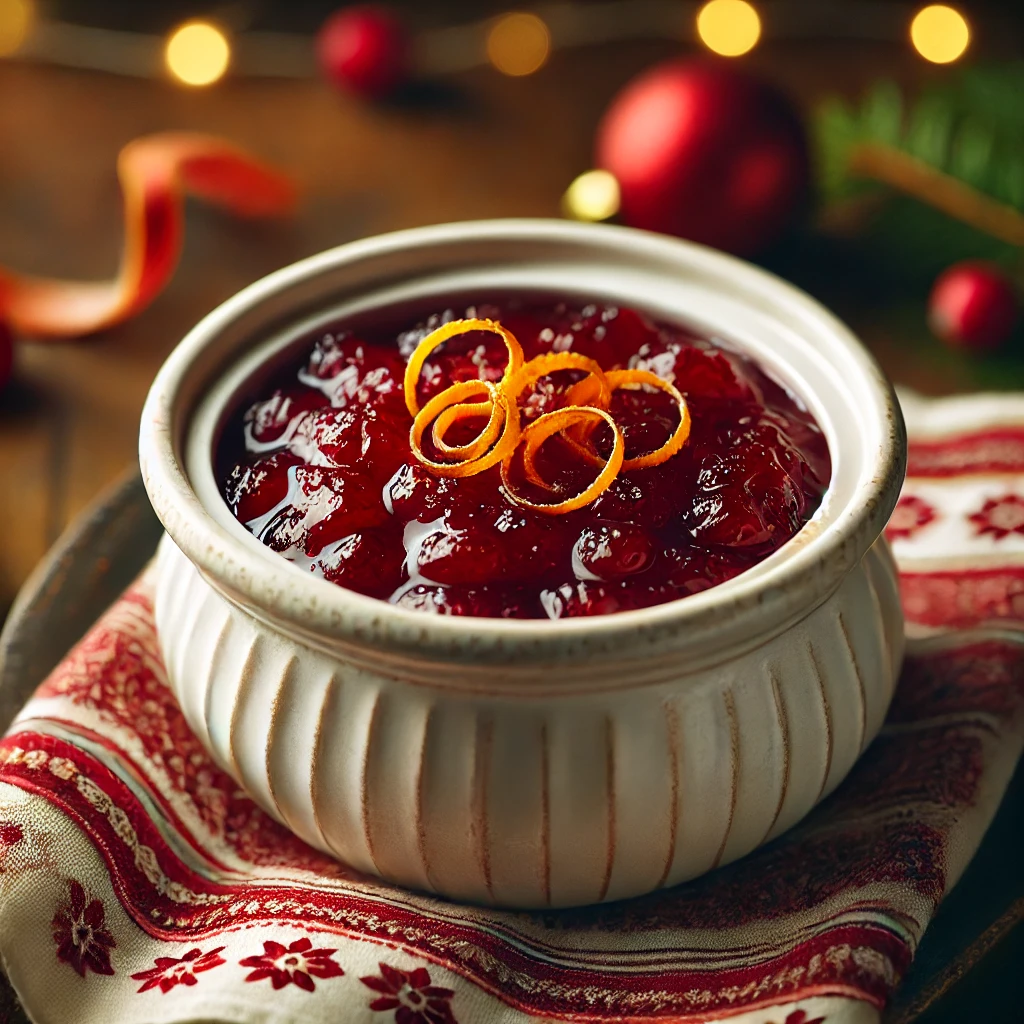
(531, 763)
(535, 798)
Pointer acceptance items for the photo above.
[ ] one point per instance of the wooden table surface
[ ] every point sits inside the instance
(497, 147)
(493, 147)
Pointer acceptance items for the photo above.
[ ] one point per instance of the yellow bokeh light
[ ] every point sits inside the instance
(198, 53)
(939, 33)
(729, 27)
(518, 43)
(594, 195)
(16, 18)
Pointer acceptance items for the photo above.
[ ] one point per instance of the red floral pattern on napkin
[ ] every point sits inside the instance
(411, 995)
(158, 870)
(999, 517)
(910, 515)
(168, 971)
(295, 964)
(79, 930)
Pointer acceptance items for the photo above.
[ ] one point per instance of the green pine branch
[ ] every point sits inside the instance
(970, 129)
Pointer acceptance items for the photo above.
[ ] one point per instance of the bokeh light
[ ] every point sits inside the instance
(940, 33)
(594, 195)
(198, 53)
(16, 17)
(518, 43)
(729, 27)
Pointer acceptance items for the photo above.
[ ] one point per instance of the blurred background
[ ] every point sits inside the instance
(907, 159)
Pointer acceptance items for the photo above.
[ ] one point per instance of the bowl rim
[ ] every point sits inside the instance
(714, 624)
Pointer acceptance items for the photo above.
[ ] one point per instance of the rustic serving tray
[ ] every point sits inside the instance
(103, 551)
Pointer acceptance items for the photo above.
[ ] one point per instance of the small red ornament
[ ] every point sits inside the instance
(364, 50)
(6, 354)
(974, 306)
(707, 152)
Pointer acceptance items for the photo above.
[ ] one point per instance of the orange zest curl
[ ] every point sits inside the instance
(594, 389)
(445, 333)
(479, 454)
(468, 410)
(587, 403)
(629, 378)
(542, 428)
(531, 448)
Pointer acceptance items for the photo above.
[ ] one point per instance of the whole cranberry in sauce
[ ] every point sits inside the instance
(318, 466)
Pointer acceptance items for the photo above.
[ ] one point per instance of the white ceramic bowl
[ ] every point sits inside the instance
(531, 763)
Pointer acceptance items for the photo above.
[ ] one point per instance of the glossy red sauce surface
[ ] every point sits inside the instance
(319, 468)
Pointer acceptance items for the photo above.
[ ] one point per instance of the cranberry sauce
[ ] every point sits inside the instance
(319, 468)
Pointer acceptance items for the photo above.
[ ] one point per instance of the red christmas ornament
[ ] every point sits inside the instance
(6, 354)
(974, 306)
(364, 50)
(707, 152)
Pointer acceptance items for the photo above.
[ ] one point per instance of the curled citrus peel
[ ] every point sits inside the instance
(592, 390)
(454, 413)
(583, 423)
(446, 332)
(479, 454)
(628, 378)
(539, 431)
(587, 402)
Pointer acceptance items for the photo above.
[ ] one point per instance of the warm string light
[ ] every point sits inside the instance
(593, 196)
(729, 27)
(16, 17)
(940, 33)
(197, 53)
(518, 44)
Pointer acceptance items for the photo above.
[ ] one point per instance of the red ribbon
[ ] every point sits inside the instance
(155, 172)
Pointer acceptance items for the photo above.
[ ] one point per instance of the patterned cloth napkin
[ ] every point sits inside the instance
(138, 884)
